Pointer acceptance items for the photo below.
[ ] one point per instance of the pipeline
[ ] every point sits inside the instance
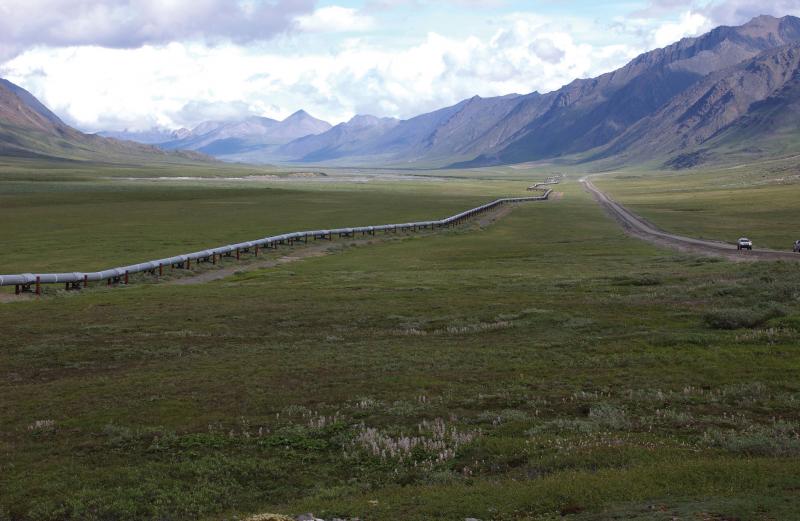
(551, 180)
(76, 280)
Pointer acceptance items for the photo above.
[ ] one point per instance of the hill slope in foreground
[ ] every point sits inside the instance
(29, 129)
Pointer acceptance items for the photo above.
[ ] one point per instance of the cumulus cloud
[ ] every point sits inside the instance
(663, 22)
(334, 19)
(166, 63)
(689, 24)
(181, 84)
(737, 12)
(546, 50)
(132, 23)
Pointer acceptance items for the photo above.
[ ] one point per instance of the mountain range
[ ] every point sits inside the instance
(29, 129)
(231, 140)
(733, 90)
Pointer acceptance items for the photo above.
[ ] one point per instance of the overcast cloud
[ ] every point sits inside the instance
(133, 23)
(140, 63)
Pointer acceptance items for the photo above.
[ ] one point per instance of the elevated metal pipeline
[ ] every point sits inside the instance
(76, 279)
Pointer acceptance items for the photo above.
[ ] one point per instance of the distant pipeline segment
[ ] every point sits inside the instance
(551, 180)
(32, 282)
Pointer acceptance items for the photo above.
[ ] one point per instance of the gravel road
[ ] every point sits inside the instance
(638, 227)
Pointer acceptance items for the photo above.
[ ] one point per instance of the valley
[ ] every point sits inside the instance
(606, 360)
(604, 352)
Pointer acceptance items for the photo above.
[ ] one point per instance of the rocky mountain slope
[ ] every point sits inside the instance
(755, 99)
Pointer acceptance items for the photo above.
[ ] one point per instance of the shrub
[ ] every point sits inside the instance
(779, 439)
(738, 318)
(609, 416)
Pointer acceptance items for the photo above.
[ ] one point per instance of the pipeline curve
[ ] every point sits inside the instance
(74, 280)
(551, 180)
(636, 226)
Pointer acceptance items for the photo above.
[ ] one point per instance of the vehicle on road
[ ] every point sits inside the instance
(744, 244)
(796, 247)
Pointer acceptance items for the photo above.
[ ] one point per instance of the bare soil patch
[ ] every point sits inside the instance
(316, 250)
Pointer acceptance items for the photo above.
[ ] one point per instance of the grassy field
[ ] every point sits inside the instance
(759, 201)
(543, 367)
(60, 219)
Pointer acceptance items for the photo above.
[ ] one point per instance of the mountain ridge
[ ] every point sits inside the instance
(671, 104)
(29, 129)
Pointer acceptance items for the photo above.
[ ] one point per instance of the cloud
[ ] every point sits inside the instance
(657, 8)
(181, 84)
(334, 19)
(689, 24)
(133, 23)
(211, 71)
(382, 5)
(737, 12)
(663, 22)
(546, 50)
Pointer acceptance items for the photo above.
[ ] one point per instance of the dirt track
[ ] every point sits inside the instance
(300, 254)
(317, 250)
(638, 227)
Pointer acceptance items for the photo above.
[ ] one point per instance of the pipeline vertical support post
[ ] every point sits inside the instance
(17, 291)
(38, 285)
(188, 264)
(109, 281)
(256, 253)
(237, 254)
(86, 281)
(214, 258)
(160, 269)
(126, 277)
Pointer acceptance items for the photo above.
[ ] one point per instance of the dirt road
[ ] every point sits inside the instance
(638, 227)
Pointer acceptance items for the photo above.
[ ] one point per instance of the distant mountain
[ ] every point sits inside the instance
(445, 133)
(154, 136)
(223, 139)
(588, 118)
(339, 141)
(29, 129)
(732, 89)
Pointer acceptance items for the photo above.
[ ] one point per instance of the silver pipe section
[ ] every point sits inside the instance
(27, 279)
(551, 180)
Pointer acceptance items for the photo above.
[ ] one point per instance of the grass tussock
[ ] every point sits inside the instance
(740, 318)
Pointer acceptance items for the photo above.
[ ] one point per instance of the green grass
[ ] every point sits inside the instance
(548, 366)
(758, 201)
(57, 222)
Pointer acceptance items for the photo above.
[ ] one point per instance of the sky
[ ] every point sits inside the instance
(139, 64)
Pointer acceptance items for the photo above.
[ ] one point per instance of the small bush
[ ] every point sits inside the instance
(778, 439)
(609, 416)
(504, 416)
(739, 318)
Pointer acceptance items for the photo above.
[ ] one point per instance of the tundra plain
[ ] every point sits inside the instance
(543, 365)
